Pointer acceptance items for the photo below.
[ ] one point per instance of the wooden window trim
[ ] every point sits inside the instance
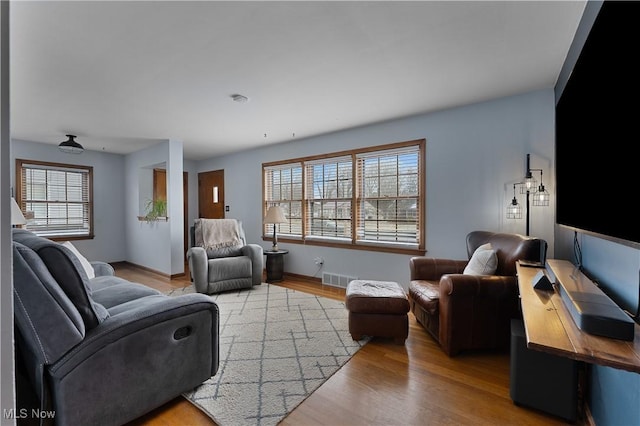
(46, 164)
(353, 244)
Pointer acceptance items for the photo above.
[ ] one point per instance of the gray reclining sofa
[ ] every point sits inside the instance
(103, 351)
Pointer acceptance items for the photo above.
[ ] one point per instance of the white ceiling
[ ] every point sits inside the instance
(123, 75)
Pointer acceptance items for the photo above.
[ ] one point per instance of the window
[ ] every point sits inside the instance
(56, 198)
(370, 198)
(283, 187)
(389, 197)
(328, 199)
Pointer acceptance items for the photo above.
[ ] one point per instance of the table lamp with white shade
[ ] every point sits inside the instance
(17, 218)
(275, 215)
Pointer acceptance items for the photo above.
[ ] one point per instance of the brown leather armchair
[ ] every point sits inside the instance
(471, 311)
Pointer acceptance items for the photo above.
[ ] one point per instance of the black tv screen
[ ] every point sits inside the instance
(598, 129)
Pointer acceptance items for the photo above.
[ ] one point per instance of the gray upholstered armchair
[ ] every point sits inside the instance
(217, 265)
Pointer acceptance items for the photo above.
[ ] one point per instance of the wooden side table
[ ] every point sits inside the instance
(275, 264)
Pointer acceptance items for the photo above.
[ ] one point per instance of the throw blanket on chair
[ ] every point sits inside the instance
(217, 233)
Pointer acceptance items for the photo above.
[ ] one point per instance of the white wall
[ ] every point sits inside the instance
(108, 194)
(474, 154)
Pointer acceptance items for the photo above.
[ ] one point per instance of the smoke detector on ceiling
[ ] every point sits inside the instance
(239, 98)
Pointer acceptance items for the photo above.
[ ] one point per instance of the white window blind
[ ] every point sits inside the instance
(56, 198)
(388, 196)
(329, 190)
(283, 187)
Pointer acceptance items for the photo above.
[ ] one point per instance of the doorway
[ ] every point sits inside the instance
(211, 194)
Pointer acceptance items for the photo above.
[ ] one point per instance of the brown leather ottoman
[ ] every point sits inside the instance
(377, 308)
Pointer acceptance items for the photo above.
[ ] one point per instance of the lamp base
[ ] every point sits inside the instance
(274, 247)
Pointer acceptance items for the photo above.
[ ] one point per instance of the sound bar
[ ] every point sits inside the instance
(591, 309)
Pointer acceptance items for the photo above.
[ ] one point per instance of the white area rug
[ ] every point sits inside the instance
(276, 347)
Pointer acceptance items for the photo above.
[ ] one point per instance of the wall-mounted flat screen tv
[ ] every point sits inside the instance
(598, 130)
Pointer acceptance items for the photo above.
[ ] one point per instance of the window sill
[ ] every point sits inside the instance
(157, 219)
(351, 246)
(63, 238)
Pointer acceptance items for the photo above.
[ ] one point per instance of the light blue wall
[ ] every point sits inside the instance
(474, 154)
(7, 390)
(119, 235)
(155, 245)
(613, 395)
(108, 194)
(175, 206)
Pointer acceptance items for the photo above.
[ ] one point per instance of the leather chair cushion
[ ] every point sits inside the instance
(426, 294)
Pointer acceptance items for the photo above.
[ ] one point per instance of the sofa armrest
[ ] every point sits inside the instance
(431, 269)
(455, 286)
(135, 316)
(476, 310)
(199, 268)
(102, 269)
(254, 251)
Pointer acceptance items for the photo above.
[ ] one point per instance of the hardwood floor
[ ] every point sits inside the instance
(384, 383)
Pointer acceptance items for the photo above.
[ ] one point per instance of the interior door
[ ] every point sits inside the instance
(211, 194)
(159, 184)
(160, 193)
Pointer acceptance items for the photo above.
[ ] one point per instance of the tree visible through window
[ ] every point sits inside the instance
(57, 198)
(329, 197)
(370, 197)
(389, 196)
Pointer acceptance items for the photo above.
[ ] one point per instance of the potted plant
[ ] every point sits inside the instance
(155, 210)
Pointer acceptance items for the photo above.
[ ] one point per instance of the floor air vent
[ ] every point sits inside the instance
(336, 280)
